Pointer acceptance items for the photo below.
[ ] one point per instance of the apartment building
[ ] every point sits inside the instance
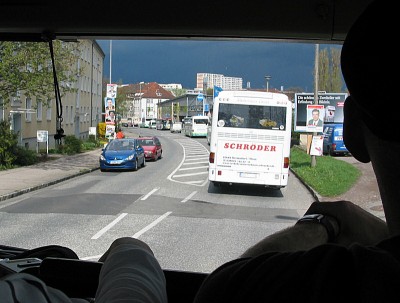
(80, 110)
(206, 80)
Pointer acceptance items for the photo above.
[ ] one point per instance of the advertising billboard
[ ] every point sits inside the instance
(330, 106)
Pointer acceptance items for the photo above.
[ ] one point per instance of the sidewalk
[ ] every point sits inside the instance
(17, 181)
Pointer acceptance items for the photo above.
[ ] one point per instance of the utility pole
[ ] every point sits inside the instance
(110, 59)
(313, 158)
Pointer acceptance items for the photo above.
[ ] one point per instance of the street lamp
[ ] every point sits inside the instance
(267, 78)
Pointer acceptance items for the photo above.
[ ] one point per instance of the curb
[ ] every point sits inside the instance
(315, 195)
(27, 190)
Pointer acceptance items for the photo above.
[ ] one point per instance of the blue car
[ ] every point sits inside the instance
(122, 154)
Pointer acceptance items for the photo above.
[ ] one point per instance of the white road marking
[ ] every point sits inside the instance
(150, 193)
(193, 154)
(188, 175)
(108, 227)
(194, 167)
(189, 197)
(196, 163)
(151, 225)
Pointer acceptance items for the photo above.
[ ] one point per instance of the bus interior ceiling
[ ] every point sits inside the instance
(298, 20)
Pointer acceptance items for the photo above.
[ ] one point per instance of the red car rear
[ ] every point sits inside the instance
(152, 147)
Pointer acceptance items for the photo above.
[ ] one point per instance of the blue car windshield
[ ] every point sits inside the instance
(121, 145)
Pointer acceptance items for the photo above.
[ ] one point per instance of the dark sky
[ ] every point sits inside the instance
(177, 61)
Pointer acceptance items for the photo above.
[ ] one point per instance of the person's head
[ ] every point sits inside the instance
(109, 103)
(366, 59)
(111, 113)
(315, 114)
(370, 112)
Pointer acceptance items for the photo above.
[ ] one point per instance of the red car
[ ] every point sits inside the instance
(152, 147)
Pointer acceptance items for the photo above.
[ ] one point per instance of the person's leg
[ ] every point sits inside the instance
(130, 273)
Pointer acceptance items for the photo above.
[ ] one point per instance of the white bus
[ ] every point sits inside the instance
(195, 126)
(250, 138)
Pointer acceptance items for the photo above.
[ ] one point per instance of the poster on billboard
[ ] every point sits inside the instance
(110, 131)
(332, 109)
(315, 117)
(317, 145)
(111, 90)
(109, 104)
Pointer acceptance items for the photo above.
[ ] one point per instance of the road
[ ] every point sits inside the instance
(190, 224)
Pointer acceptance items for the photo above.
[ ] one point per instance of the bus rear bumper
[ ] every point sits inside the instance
(272, 179)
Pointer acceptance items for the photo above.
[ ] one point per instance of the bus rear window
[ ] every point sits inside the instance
(252, 116)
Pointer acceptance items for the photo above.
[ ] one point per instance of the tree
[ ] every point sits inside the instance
(8, 142)
(329, 72)
(26, 67)
(122, 105)
(177, 92)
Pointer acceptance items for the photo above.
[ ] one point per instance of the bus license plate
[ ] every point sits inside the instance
(248, 175)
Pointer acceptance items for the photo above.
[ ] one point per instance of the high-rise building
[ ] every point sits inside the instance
(206, 80)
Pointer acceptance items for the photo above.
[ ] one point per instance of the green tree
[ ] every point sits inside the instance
(177, 110)
(177, 92)
(323, 71)
(26, 67)
(122, 105)
(8, 143)
(329, 72)
(336, 71)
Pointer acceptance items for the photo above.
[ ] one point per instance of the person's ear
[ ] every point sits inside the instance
(353, 132)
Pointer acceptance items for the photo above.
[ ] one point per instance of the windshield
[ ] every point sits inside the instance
(120, 145)
(168, 199)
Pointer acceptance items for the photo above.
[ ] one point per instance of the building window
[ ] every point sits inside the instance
(39, 111)
(66, 114)
(48, 111)
(28, 106)
(72, 115)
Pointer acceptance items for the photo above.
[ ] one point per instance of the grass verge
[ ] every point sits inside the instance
(330, 177)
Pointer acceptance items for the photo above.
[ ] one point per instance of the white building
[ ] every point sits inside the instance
(206, 80)
(81, 109)
(171, 86)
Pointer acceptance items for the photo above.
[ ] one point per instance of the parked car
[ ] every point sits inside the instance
(122, 154)
(152, 147)
(333, 140)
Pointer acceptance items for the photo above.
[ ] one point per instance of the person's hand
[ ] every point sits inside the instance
(355, 223)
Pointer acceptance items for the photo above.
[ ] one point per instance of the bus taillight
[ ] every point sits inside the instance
(286, 162)
(211, 157)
